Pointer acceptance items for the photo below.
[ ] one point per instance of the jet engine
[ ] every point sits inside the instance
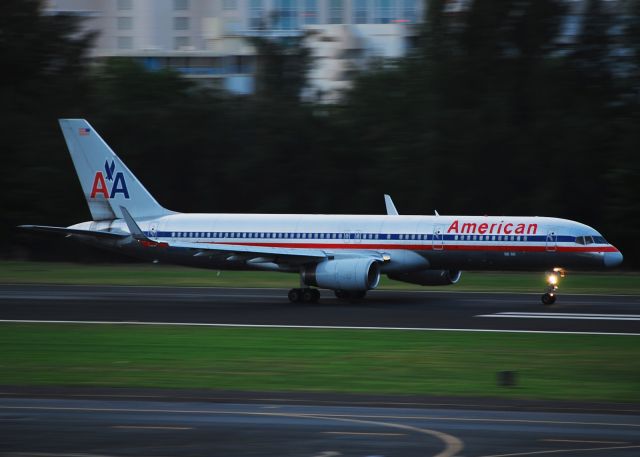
(428, 277)
(343, 274)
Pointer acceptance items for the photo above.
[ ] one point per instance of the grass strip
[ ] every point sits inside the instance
(168, 275)
(576, 367)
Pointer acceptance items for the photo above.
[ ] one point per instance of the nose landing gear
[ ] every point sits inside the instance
(553, 280)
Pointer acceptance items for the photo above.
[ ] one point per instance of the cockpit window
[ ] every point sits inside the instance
(590, 240)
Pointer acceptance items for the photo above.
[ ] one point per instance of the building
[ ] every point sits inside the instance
(340, 51)
(207, 39)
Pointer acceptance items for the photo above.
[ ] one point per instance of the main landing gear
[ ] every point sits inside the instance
(350, 294)
(553, 280)
(304, 295)
(309, 295)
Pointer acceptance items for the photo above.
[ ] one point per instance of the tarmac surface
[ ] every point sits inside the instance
(270, 307)
(139, 426)
(103, 422)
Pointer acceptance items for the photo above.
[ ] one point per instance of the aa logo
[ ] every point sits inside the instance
(117, 184)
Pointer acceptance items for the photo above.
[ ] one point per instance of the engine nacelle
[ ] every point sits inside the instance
(343, 274)
(429, 277)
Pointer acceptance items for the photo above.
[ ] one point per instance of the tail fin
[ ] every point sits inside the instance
(107, 183)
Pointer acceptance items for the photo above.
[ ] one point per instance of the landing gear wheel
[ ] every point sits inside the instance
(341, 294)
(295, 295)
(548, 299)
(350, 294)
(306, 295)
(358, 294)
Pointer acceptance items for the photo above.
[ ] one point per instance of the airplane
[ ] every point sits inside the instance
(343, 253)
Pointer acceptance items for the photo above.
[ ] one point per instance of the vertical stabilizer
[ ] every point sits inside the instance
(107, 183)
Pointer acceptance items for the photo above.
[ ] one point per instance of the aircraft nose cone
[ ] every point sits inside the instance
(612, 259)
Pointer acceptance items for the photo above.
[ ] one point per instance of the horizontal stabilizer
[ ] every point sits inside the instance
(133, 227)
(70, 231)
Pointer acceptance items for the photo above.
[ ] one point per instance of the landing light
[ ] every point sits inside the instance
(552, 279)
(559, 270)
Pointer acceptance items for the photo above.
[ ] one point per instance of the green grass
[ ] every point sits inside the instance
(165, 275)
(578, 367)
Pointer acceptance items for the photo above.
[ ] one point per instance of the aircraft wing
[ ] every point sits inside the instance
(70, 231)
(256, 254)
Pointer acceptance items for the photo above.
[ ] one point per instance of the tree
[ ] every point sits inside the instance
(44, 78)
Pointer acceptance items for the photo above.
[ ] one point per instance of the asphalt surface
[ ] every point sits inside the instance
(103, 427)
(385, 309)
(55, 422)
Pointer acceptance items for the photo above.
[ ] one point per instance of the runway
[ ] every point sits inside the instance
(610, 314)
(40, 427)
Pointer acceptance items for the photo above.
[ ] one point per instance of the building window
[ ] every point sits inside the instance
(336, 12)
(360, 9)
(256, 10)
(125, 4)
(180, 5)
(384, 10)
(181, 42)
(125, 23)
(310, 12)
(285, 15)
(180, 23)
(125, 42)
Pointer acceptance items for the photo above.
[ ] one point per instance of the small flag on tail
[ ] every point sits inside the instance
(84, 131)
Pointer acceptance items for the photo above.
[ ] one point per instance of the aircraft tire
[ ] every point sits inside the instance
(307, 295)
(358, 294)
(548, 299)
(341, 294)
(295, 295)
(351, 295)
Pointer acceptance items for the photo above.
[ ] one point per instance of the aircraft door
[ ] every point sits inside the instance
(438, 238)
(552, 240)
(153, 230)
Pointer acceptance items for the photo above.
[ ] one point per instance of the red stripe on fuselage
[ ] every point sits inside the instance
(425, 247)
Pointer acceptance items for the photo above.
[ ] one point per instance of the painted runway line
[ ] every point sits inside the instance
(311, 327)
(578, 316)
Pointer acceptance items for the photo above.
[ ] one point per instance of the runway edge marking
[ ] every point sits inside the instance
(310, 327)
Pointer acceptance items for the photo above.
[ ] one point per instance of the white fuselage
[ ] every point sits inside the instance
(411, 243)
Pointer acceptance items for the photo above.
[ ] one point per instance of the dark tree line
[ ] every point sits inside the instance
(495, 111)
